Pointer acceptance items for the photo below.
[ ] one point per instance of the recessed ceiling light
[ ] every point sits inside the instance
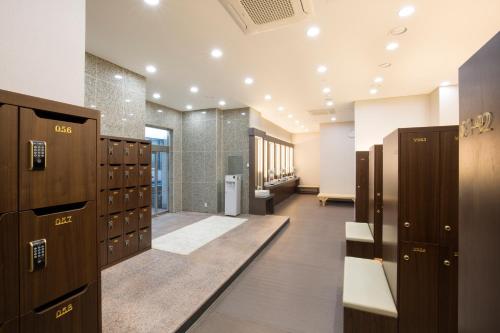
(302, 126)
(189, 107)
(329, 103)
(243, 113)
(127, 100)
(222, 102)
(268, 97)
(124, 119)
(131, 114)
(281, 108)
(385, 65)
(194, 89)
(313, 31)
(398, 31)
(156, 95)
(321, 69)
(406, 11)
(333, 119)
(297, 122)
(327, 90)
(150, 69)
(203, 112)
(102, 116)
(152, 2)
(248, 81)
(378, 79)
(392, 46)
(445, 83)
(290, 116)
(160, 110)
(373, 91)
(118, 77)
(93, 106)
(216, 53)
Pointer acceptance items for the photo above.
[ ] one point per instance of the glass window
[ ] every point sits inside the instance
(157, 136)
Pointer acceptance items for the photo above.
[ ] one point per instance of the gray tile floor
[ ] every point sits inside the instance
(295, 285)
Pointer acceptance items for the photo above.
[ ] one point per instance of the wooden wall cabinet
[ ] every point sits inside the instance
(479, 214)
(361, 203)
(375, 197)
(420, 201)
(125, 198)
(51, 199)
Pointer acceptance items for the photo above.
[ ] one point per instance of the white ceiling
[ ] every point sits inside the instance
(178, 35)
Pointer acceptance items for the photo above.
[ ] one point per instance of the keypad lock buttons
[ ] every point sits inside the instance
(38, 155)
(38, 255)
(407, 224)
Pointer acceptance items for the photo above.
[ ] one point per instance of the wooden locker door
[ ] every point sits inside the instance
(418, 288)
(9, 267)
(448, 290)
(375, 197)
(419, 184)
(362, 186)
(448, 212)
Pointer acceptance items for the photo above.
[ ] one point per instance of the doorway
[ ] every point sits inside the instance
(160, 168)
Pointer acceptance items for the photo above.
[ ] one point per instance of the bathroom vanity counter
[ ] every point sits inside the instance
(283, 189)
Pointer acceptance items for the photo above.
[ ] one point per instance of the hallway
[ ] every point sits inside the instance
(295, 285)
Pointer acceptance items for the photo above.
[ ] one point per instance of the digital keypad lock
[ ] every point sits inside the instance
(38, 155)
(38, 254)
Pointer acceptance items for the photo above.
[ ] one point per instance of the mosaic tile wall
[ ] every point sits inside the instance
(170, 119)
(119, 94)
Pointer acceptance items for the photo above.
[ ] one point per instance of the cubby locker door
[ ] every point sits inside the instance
(419, 187)
(115, 225)
(144, 196)
(130, 198)
(130, 176)
(115, 201)
(448, 212)
(8, 158)
(103, 150)
(115, 151)
(115, 249)
(361, 209)
(70, 255)
(115, 176)
(130, 155)
(131, 221)
(418, 288)
(144, 153)
(448, 290)
(144, 217)
(130, 244)
(76, 314)
(70, 170)
(9, 267)
(144, 238)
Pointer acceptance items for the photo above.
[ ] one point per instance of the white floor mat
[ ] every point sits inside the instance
(192, 237)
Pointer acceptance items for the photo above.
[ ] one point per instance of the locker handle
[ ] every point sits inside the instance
(447, 263)
(126, 174)
(406, 257)
(110, 200)
(110, 149)
(110, 175)
(140, 216)
(407, 224)
(126, 151)
(126, 220)
(378, 211)
(110, 247)
(126, 196)
(447, 228)
(141, 195)
(141, 237)
(127, 242)
(110, 224)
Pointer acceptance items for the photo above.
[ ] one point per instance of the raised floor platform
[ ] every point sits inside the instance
(160, 291)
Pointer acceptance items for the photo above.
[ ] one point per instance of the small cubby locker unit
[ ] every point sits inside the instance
(124, 226)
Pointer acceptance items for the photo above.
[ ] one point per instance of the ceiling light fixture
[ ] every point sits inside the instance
(327, 90)
(93, 106)
(297, 122)
(333, 119)
(373, 91)
(385, 65)
(156, 95)
(124, 119)
(268, 97)
(203, 112)
(392, 46)
(313, 31)
(445, 84)
(127, 100)
(248, 81)
(150, 69)
(290, 116)
(243, 114)
(118, 77)
(406, 11)
(152, 2)
(222, 102)
(398, 31)
(281, 108)
(189, 107)
(329, 103)
(194, 89)
(216, 53)
(378, 79)
(321, 69)
(160, 110)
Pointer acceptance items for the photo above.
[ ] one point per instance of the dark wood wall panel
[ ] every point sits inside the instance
(362, 183)
(9, 267)
(375, 198)
(8, 157)
(479, 193)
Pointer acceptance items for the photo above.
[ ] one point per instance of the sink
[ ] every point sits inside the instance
(261, 193)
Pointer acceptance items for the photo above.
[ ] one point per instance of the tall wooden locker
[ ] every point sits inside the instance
(375, 200)
(361, 203)
(48, 266)
(479, 214)
(420, 181)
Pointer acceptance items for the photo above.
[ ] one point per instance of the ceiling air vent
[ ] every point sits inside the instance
(254, 16)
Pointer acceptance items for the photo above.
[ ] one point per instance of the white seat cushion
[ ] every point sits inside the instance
(366, 288)
(336, 196)
(358, 232)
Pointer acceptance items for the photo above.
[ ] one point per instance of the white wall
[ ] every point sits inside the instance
(307, 158)
(338, 158)
(42, 47)
(259, 122)
(374, 119)
(448, 105)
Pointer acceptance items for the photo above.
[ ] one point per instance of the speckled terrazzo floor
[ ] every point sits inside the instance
(157, 291)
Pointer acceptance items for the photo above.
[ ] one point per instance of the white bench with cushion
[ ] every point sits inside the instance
(368, 302)
(323, 197)
(359, 240)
